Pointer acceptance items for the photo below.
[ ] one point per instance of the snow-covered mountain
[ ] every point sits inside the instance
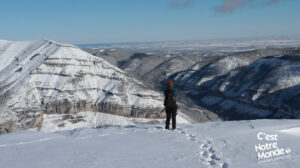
(155, 70)
(244, 85)
(257, 84)
(43, 78)
(229, 144)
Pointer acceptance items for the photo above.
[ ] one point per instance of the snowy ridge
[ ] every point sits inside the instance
(45, 77)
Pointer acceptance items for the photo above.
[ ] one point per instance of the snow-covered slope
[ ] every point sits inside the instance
(256, 84)
(44, 77)
(206, 145)
(113, 55)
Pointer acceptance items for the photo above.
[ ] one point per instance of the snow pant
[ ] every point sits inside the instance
(171, 113)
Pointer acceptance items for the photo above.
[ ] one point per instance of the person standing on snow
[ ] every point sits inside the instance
(170, 104)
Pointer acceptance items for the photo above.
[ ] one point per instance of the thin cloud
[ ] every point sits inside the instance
(181, 3)
(229, 6)
(273, 1)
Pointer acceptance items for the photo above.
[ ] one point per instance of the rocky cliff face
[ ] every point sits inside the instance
(45, 77)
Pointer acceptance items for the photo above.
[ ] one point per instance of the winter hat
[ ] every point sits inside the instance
(170, 83)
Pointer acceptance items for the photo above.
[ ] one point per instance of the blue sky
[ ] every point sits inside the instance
(101, 21)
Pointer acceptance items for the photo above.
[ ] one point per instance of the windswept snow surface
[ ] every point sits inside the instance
(214, 144)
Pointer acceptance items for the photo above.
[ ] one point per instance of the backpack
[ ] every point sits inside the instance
(170, 100)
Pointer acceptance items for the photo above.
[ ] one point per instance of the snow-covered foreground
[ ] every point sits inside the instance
(215, 144)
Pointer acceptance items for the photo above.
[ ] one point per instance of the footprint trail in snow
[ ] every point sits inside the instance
(207, 154)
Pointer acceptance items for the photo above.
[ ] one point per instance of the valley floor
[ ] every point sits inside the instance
(213, 144)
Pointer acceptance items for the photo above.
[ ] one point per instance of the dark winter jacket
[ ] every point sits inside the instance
(172, 88)
(172, 102)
